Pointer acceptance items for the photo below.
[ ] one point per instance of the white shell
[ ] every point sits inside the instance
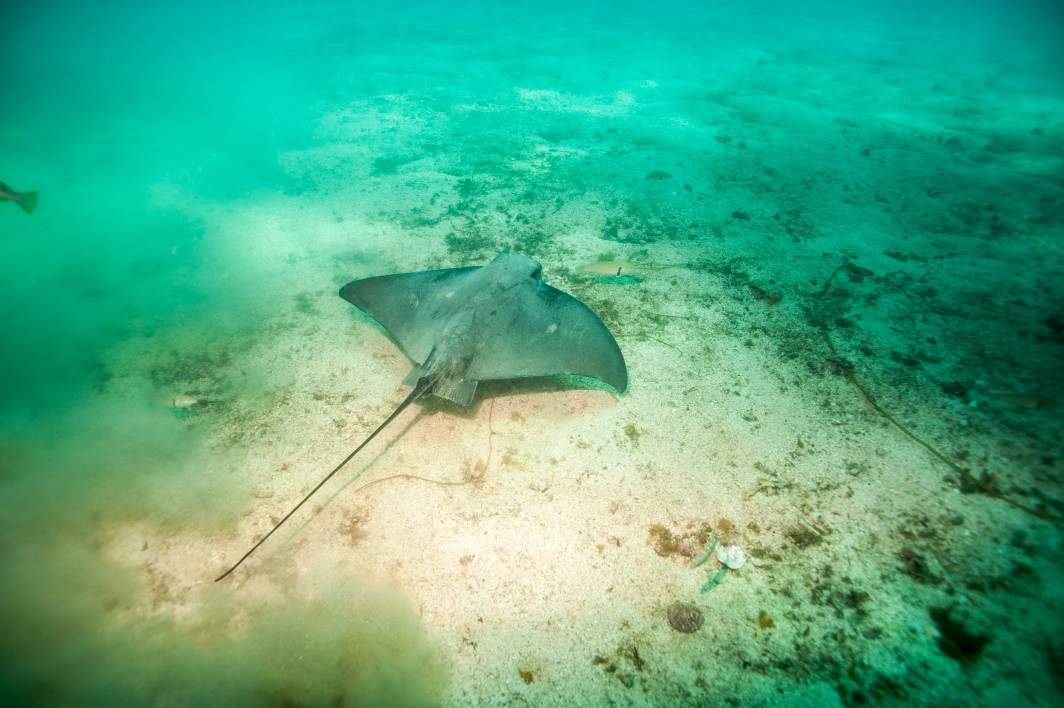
(731, 555)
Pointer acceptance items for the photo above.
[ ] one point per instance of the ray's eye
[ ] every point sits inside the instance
(537, 272)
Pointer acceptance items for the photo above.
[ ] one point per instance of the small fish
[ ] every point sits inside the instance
(184, 402)
(612, 269)
(1033, 401)
(26, 200)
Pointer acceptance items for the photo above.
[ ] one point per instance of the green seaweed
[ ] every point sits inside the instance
(713, 540)
(715, 579)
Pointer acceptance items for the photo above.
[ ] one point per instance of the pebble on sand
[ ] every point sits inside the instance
(685, 617)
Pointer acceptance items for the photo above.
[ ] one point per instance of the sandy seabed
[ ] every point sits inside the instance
(731, 180)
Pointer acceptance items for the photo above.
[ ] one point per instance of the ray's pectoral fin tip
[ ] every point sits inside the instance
(462, 326)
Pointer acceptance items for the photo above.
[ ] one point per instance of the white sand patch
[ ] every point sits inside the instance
(550, 100)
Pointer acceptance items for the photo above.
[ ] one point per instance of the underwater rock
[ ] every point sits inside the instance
(261, 491)
(685, 617)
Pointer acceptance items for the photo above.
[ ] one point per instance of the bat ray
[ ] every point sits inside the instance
(461, 326)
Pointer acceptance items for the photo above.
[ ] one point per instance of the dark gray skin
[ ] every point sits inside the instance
(8, 195)
(461, 326)
(26, 200)
(500, 321)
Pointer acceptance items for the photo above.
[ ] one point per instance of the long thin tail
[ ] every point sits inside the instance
(28, 201)
(421, 388)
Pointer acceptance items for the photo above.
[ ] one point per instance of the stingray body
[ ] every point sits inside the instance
(500, 321)
(461, 326)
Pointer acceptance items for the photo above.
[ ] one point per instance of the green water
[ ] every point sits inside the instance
(210, 174)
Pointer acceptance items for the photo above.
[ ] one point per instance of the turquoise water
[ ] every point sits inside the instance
(844, 225)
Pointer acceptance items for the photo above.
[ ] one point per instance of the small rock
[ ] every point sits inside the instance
(685, 617)
(539, 486)
(262, 492)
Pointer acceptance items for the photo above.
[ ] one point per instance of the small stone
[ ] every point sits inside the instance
(262, 492)
(684, 617)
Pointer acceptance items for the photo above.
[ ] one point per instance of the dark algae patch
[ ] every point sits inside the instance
(686, 544)
(626, 665)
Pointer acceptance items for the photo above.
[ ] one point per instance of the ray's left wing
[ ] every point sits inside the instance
(408, 305)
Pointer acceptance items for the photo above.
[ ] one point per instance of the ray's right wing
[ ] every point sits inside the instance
(407, 304)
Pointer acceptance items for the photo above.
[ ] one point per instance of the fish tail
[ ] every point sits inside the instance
(28, 201)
